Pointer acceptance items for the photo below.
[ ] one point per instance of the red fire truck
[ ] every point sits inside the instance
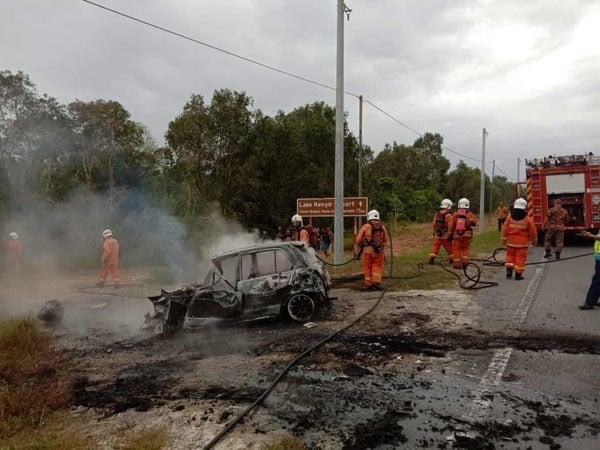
(575, 180)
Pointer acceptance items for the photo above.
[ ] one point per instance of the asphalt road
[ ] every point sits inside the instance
(561, 379)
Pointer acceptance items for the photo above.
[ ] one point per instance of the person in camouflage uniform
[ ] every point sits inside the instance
(554, 226)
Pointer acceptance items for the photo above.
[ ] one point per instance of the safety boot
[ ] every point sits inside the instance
(557, 255)
(519, 276)
(548, 253)
(100, 284)
(431, 260)
(509, 273)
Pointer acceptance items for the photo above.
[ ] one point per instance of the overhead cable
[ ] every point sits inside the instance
(214, 47)
(265, 66)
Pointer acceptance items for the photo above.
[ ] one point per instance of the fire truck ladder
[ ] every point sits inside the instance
(534, 196)
(595, 175)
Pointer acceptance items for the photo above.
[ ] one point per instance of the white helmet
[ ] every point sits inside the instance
(463, 203)
(107, 233)
(297, 219)
(446, 203)
(13, 235)
(520, 203)
(373, 215)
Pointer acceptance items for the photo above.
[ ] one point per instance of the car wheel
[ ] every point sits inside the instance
(300, 307)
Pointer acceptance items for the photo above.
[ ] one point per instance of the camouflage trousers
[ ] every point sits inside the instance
(556, 236)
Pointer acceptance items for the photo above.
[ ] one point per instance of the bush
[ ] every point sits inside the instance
(30, 382)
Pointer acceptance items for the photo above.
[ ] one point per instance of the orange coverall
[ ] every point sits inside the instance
(13, 249)
(110, 260)
(303, 235)
(445, 239)
(372, 260)
(461, 243)
(517, 234)
(300, 235)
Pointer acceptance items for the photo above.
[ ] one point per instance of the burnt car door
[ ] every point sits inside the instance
(264, 283)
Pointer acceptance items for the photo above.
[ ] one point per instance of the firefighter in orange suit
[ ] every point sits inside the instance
(442, 234)
(13, 251)
(371, 239)
(517, 232)
(109, 259)
(299, 232)
(463, 222)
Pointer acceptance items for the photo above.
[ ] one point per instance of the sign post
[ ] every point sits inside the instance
(325, 207)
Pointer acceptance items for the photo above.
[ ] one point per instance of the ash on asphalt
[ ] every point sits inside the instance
(342, 394)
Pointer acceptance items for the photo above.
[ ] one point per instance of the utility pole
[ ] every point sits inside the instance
(360, 151)
(492, 185)
(482, 186)
(518, 170)
(338, 222)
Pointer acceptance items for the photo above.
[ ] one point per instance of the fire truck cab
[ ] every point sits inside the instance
(575, 180)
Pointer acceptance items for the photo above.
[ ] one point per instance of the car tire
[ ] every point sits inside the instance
(300, 307)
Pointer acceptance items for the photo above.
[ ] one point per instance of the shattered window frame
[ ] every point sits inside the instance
(264, 263)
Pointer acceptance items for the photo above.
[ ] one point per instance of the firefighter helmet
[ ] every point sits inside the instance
(373, 215)
(520, 203)
(107, 233)
(446, 203)
(297, 220)
(464, 203)
(13, 235)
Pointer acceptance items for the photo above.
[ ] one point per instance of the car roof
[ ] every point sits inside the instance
(293, 246)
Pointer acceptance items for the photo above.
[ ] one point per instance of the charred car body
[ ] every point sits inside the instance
(281, 279)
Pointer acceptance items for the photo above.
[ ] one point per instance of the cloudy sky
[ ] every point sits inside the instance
(527, 71)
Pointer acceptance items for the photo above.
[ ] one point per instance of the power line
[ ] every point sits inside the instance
(417, 132)
(503, 172)
(393, 118)
(214, 47)
(265, 66)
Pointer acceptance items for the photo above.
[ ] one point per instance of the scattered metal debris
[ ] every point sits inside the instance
(52, 312)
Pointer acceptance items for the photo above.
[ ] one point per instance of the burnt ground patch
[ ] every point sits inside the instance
(242, 395)
(428, 342)
(379, 430)
(138, 387)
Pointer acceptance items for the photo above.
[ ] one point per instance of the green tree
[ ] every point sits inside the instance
(111, 152)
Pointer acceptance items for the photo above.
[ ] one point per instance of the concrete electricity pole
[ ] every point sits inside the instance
(360, 150)
(482, 187)
(338, 221)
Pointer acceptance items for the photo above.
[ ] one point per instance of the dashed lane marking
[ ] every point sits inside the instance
(482, 401)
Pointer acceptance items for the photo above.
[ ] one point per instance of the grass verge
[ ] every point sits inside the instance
(412, 245)
(35, 394)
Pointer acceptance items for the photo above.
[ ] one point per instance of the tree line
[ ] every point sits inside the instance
(220, 153)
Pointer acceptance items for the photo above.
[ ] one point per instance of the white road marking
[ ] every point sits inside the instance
(497, 366)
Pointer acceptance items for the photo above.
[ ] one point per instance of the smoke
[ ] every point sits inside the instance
(63, 242)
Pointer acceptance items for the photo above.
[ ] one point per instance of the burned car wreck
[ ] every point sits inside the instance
(279, 279)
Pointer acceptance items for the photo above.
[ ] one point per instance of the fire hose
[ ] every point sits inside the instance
(287, 368)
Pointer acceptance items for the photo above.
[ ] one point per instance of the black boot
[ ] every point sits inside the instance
(548, 253)
(431, 260)
(557, 255)
(509, 273)
(518, 276)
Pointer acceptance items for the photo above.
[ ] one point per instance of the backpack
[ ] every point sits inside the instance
(439, 226)
(377, 236)
(461, 221)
